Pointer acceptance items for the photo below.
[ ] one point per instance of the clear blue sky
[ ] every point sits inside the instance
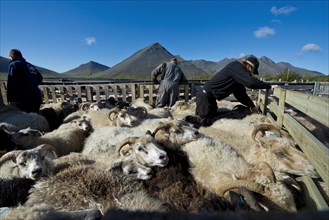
(61, 35)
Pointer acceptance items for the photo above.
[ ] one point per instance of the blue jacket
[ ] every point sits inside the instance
(23, 80)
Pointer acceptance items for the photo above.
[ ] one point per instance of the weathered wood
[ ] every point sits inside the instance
(281, 108)
(316, 152)
(133, 92)
(98, 93)
(313, 197)
(53, 94)
(89, 93)
(45, 95)
(306, 103)
(150, 87)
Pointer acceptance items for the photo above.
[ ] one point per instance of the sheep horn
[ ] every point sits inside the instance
(265, 127)
(267, 170)
(239, 107)
(10, 156)
(163, 126)
(126, 141)
(47, 147)
(113, 111)
(85, 106)
(249, 185)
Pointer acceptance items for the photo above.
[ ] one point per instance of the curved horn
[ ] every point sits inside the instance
(85, 106)
(113, 111)
(10, 156)
(265, 127)
(163, 126)
(126, 141)
(249, 185)
(267, 170)
(47, 147)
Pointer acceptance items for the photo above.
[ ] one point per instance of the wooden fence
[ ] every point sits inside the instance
(318, 154)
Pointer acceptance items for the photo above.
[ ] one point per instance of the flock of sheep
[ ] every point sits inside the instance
(78, 163)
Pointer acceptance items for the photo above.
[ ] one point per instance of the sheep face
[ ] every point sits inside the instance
(175, 134)
(285, 158)
(135, 170)
(84, 124)
(146, 151)
(121, 117)
(24, 136)
(31, 164)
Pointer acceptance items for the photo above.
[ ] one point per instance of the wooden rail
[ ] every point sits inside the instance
(318, 154)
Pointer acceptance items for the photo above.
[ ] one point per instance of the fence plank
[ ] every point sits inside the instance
(306, 103)
(316, 152)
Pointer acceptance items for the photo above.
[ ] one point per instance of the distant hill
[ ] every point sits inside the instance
(140, 65)
(87, 69)
(46, 73)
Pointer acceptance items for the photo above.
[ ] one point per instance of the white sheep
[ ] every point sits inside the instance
(112, 144)
(279, 152)
(31, 164)
(109, 117)
(69, 137)
(20, 119)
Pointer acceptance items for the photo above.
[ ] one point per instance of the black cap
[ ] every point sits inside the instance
(252, 60)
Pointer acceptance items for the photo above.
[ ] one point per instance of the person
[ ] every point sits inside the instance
(171, 77)
(233, 78)
(22, 83)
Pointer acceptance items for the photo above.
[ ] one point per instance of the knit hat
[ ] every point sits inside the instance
(252, 60)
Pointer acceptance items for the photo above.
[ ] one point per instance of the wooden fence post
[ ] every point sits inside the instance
(281, 107)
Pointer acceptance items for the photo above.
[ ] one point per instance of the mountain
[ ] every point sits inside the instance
(140, 64)
(266, 66)
(87, 69)
(46, 73)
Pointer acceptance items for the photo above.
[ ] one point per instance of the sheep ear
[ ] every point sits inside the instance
(116, 164)
(149, 133)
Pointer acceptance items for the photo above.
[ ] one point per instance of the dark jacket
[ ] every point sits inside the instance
(23, 80)
(233, 78)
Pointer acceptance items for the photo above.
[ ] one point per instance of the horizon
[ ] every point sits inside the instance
(62, 35)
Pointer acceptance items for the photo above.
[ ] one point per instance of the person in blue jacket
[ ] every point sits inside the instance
(232, 79)
(22, 83)
(171, 77)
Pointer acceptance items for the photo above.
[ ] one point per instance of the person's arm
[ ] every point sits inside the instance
(241, 95)
(157, 71)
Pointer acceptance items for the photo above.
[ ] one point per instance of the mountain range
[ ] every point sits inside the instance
(139, 65)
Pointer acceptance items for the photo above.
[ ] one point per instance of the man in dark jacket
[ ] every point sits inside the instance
(171, 77)
(22, 83)
(233, 78)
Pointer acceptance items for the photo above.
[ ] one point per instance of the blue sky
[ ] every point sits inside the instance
(61, 35)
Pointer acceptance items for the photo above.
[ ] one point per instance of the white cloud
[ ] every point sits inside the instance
(310, 47)
(90, 40)
(264, 32)
(285, 10)
(242, 55)
(276, 21)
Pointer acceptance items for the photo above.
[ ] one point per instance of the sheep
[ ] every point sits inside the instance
(44, 211)
(32, 164)
(139, 102)
(20, 119)
(279, 152)
(142, 147)
(230, 170)
(109, 117)
(208, 154)
(175, 185)
(97, 185)
(69, 137)
(14, 191)
(56, 112)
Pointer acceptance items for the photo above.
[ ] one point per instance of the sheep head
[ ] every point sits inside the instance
(25, 137)
(280, 153)
(31, 163)
(144, 149)
(133, 169)
(120, 117)
(174, 134)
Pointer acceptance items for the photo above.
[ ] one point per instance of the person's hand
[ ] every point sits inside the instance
(255, 110)
(274, 86)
